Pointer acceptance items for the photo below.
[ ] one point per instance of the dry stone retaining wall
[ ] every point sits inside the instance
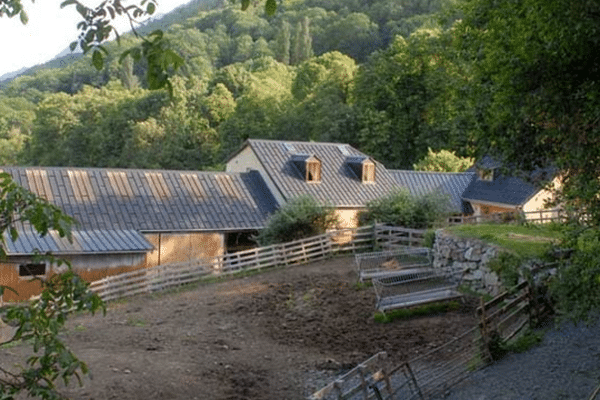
(468, 257)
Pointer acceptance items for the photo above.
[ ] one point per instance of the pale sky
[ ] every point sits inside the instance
(49, 31)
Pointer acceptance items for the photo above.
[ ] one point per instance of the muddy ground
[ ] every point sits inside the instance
(278, 335)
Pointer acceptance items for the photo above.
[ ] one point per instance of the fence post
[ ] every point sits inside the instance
(485, 349)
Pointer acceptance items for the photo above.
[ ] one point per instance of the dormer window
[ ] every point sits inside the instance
(368, 172)
(309, 167)
(363, 168)
(485, 174)
(313, 170)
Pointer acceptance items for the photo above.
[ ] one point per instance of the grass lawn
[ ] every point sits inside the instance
(528, 241)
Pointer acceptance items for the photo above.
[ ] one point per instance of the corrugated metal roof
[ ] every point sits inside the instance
(152, 200)
(338, 186)
(84, 242)
(449, 183)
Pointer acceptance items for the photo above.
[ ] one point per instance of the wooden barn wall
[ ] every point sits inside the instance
(89, 267)
(174, 247)
(177, 247)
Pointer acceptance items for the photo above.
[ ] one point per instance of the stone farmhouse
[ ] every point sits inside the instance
(131, 219)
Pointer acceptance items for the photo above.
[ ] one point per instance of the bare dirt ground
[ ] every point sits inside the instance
(278, 335)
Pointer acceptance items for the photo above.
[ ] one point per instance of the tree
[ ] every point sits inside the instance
(537, 74)
(302, 43)
(282, 44)
(400, 208)
(299, 218)
(40, 321)
(443, 161)
(410, 97)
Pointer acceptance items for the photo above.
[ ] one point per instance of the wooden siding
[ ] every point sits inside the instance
(169, 248)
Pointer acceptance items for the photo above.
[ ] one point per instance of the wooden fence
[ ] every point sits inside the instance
(538, 217)
(302, 251)
(391, 237)
(433, 373)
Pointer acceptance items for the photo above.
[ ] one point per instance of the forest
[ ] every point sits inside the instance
(323, 70)
(393, 78)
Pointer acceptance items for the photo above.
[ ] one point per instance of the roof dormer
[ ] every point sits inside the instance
(487, 169)
(309, 166)
(363, 167)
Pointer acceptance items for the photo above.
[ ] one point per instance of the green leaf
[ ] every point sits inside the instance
(73, 46)
(24, 17)
(98, 60)
(150, 8)
(271, 7)
(245, 4)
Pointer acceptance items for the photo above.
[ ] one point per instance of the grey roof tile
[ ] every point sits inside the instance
(84, 242)
(448, 183)
(339, 186)
(226, 201)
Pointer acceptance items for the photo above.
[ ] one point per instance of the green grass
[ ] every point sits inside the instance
(525, 341)
(405, 313)
(528, 241)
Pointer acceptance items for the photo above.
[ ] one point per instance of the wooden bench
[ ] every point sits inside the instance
(384, 263)
(417, 286)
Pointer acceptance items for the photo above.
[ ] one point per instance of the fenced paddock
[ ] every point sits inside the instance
(432, 374)
(383, 263)
(302, 251)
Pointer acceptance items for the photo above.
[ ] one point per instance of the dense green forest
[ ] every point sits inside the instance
(392, 77)
(316, 70)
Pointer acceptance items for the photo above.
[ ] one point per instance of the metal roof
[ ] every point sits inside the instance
(339, 186)
(152, 200)
(513, 189)
(84, 242)
(449, 183)
(502, 190)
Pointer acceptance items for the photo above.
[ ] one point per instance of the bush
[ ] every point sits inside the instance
(300, 218)
(576, 287)
(400, 208)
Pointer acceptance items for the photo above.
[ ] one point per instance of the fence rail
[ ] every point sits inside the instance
(161, 277)
(541, 217)
(432, 373)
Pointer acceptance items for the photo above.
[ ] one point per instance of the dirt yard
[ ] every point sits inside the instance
(278, 335)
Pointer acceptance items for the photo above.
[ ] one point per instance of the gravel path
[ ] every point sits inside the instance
(566, 365)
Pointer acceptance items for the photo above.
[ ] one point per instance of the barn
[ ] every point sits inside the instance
(130, 219)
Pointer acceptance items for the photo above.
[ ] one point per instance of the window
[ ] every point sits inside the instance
(368, 172)
(485, 174)
(32, 269)
(313, 171)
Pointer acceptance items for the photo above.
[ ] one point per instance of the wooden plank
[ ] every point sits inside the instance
(523, 297)
(501, 297)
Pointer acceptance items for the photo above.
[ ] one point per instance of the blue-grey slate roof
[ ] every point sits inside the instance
(84, 242)
(451, 184)
(503, 189)
(339, 185)
(152, 200)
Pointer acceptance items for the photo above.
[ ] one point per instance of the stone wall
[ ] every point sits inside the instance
(469, 258)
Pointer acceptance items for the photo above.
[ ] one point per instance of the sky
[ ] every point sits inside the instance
(49, 31)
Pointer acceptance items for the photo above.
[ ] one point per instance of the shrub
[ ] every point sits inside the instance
(400, 208)
(300, 218)
(576, 286)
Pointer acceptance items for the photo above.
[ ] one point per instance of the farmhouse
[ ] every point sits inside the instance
(492, 191)
(130, 219)
(334, 174)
